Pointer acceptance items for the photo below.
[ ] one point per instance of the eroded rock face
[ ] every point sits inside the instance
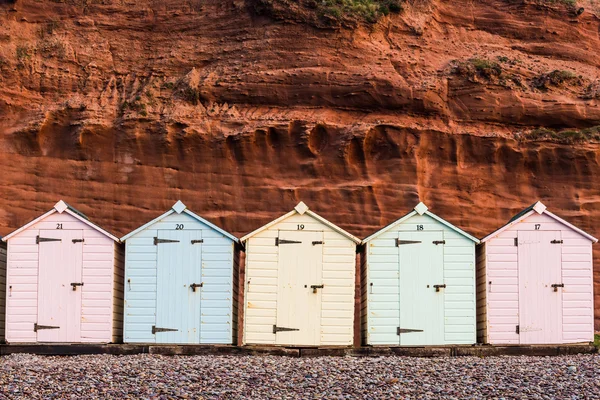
(121, 108)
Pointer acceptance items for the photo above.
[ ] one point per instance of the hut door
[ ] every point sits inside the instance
(421, 304)
(59, 286)
(540, 306)
(179, 286)
(299, 291)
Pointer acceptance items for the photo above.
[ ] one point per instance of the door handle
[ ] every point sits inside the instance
(557, 285)
(195, 285)
(315, 287)
(437, 287)
(75, 284)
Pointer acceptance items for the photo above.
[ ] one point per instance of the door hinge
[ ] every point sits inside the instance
(197, 241)
(318, 242)
(39, 239)
(281, 329)
(37, 327)
(517, 241)
(196, 285)
(156, 330)
(518, 330)
(399, 242)
(557, 285)
(557, 242)
(78, 240)
(403, 330)
(157, 241)
(75, 284)
(284, 241)
(437, 287)
(436, 242)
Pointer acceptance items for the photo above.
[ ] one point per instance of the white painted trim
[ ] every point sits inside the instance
(24, 227)
(524, 216)
(211, 225)
(309, 213)
(67, 210)
(454, 228)
(92, 225)
(186, 211)
(576, 229)
(141, 228)
(412, 214)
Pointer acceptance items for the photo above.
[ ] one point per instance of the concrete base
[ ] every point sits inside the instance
(216, 350)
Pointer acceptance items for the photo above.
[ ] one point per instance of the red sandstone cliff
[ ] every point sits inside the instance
(122, 107)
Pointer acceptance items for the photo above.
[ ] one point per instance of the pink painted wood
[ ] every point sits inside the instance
(540, 306)
(59, 306)
(517, 295)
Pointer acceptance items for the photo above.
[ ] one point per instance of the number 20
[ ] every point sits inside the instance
(179, 227)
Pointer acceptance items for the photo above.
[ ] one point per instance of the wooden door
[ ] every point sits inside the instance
(300, 266)
(59, 302)
(421, 305)
(540, 307)
(178, 301)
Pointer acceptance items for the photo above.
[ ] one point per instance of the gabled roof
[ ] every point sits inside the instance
(180, 208)
(302, 209)
(539, 208)
(420, 209)
(62, 207)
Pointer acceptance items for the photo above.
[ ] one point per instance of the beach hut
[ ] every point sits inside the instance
(418, 285)
(299, 286)
(2, 290)
(180, 281)
(535, 281)
(64, 281)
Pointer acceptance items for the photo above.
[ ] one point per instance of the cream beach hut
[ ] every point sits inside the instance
(300, 278)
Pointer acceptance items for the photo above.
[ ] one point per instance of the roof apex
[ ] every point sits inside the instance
(301, 208)
(61, 206)
(179, 207)
(539, 207)
(421, 208)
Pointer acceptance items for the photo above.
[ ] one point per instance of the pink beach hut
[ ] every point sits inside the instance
(64, 281)
(535, 282)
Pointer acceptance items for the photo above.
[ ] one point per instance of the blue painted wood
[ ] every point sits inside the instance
(155, 296)
(397, 279)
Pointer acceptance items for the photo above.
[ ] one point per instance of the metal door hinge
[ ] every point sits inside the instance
(39, 239)
(284, 241)
(557, 242)
(315, 287)
(399, 242)
(156, 330)
(196, 285)
(281, 329)
(157, 241)
(75, 284)
(37, 327)
(517, 242)
(518, 330)
(403, 330)
(437, 287)
(318, 242)
(436, 242)
(557, 285)
(198, 241)
(78, 240)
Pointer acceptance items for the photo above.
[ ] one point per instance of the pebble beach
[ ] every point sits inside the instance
(24, 376)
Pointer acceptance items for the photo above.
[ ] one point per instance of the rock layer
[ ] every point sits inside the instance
(121, 108)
